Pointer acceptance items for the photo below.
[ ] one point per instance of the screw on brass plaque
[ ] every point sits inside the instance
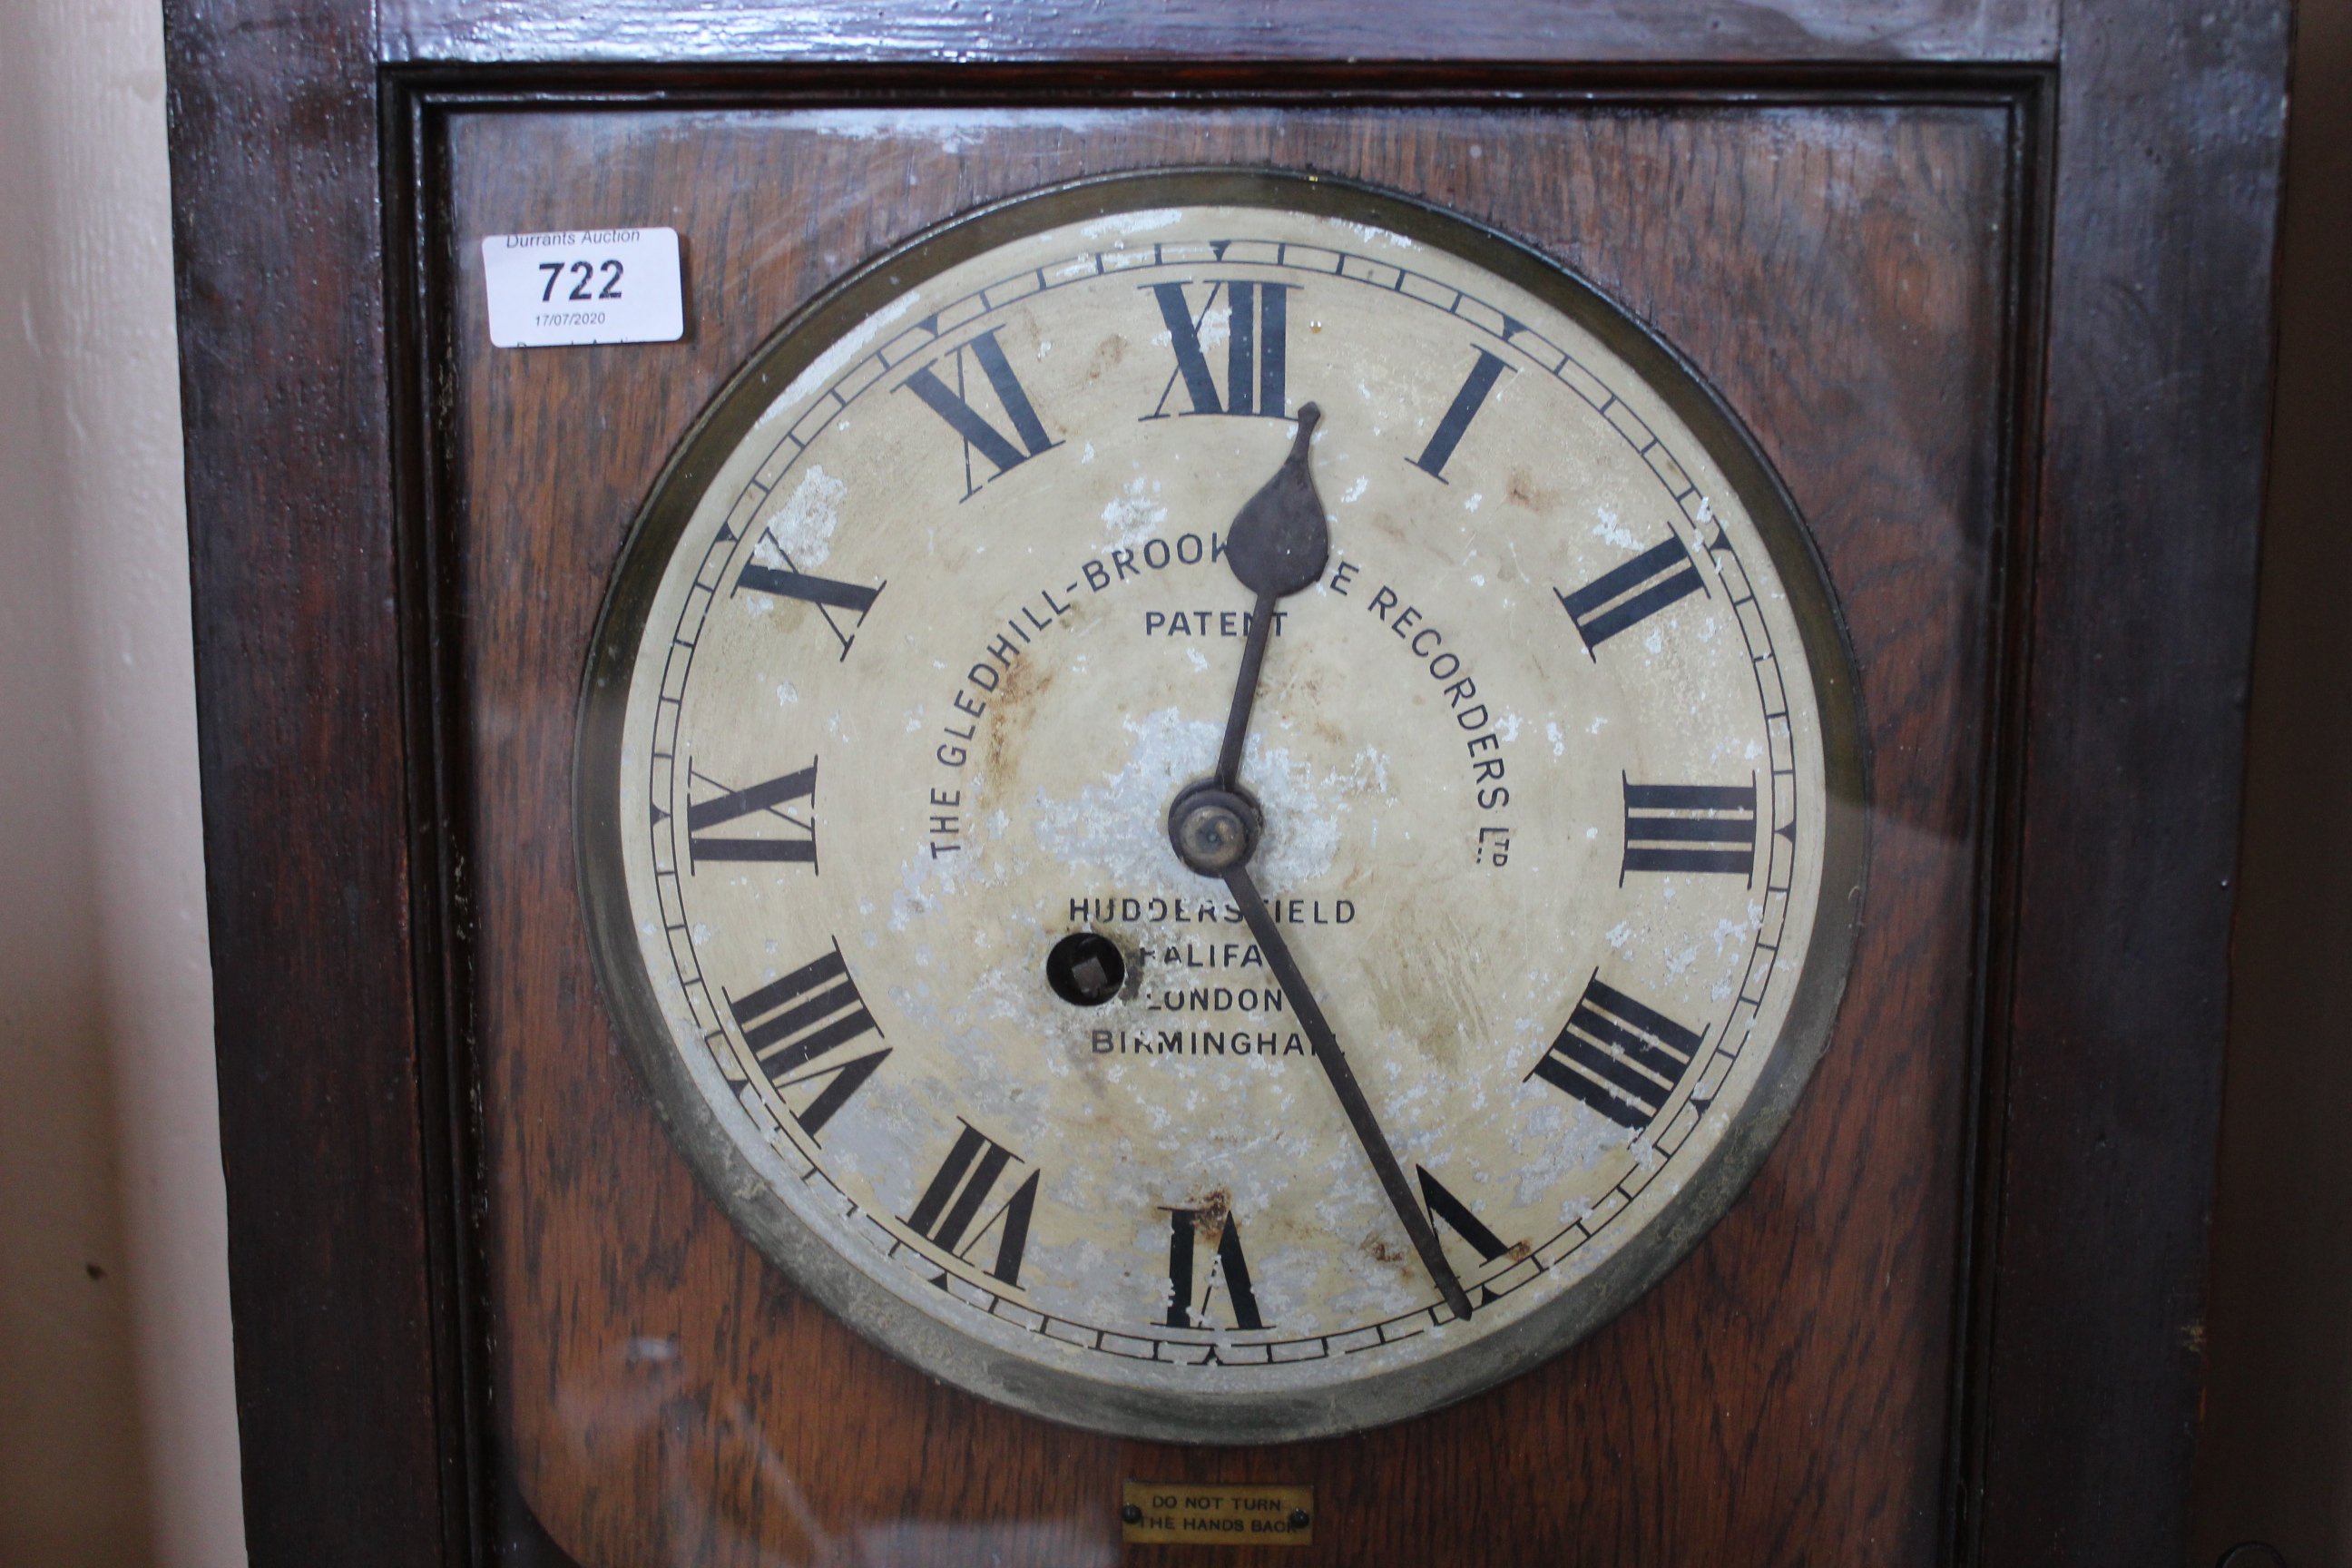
(1216, 1513)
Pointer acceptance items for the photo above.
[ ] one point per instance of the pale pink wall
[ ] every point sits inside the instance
(118, 1440)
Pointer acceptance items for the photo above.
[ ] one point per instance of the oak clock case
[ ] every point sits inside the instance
(1220, 806)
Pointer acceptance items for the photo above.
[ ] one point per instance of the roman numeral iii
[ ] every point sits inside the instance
(1228, 1268)
(945, 1214)
(1258, 328)
(1620, 1057)
(795, 841)
(1690, 827)
(950, 404)
(1632, 593)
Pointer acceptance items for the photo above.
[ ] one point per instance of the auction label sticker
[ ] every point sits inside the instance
(1216, 1513)
(584, 286)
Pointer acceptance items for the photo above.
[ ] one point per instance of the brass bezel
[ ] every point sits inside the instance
(933, 1345)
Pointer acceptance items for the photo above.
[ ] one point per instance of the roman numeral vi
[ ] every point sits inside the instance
(1231, 1269)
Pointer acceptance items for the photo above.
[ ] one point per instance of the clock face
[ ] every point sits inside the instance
(1544, 802)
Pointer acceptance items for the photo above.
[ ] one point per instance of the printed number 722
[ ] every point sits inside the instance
(555, 270)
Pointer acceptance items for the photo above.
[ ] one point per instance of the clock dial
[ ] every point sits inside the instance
(1191, 917)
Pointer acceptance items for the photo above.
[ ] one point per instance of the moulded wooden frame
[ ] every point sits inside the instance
(304, 149)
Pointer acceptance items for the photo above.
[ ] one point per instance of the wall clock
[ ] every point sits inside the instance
(503, 1296)
(1220, 805)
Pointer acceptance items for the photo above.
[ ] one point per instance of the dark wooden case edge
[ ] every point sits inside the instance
(362, 1397)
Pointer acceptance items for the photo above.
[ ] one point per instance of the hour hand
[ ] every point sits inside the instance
(1277, 545)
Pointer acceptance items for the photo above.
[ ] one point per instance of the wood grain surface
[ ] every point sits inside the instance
(308, 846)
(374, 714)
(2161, 293)
(1846, 274)
(924, 31)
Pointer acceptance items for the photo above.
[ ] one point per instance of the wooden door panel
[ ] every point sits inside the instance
(1842, 271)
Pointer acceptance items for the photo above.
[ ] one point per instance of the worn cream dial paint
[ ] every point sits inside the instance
(931, 620)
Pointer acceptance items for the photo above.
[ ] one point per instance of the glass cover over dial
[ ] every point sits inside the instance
(1220, 805)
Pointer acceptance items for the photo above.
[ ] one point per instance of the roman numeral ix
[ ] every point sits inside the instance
(1257, 335)
(1690, 827)
(949, 404)
(798, 844)
(789, 1023)
(1228, 1268)
(1632, 593)
(1620, 1057)
(945, 1214)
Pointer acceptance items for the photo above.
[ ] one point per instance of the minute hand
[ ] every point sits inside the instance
(1350, 1093)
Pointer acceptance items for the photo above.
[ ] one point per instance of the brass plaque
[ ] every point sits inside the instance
(1215, 1513)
